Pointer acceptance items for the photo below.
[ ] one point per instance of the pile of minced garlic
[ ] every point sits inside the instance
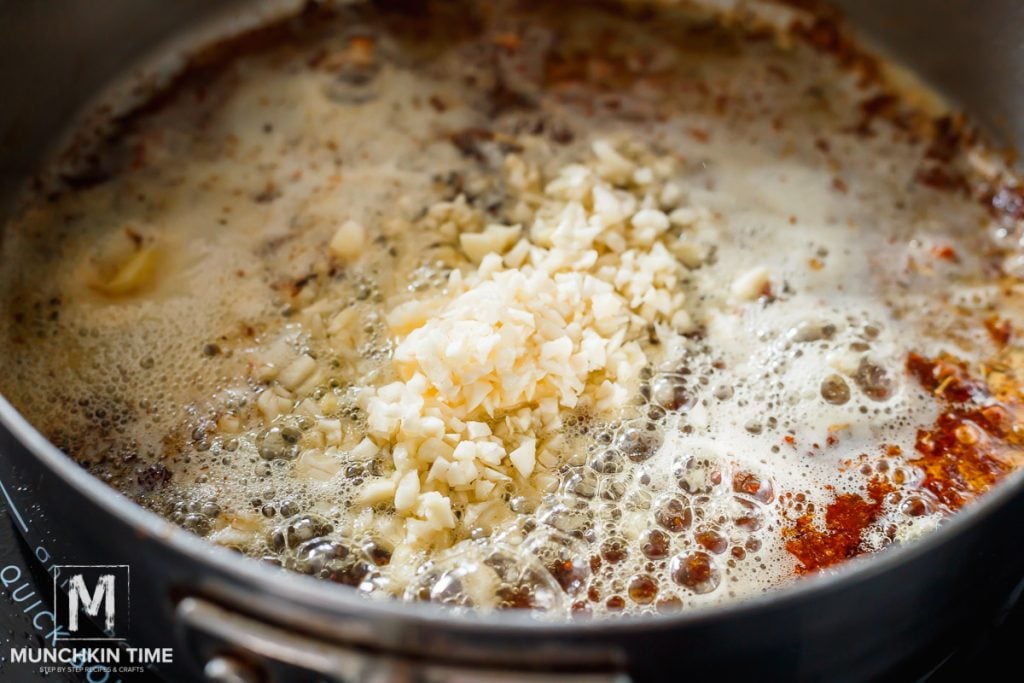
(548, 321)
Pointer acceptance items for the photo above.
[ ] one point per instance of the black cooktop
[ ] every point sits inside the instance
(26, 593)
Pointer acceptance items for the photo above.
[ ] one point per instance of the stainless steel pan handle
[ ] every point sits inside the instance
(234, 648)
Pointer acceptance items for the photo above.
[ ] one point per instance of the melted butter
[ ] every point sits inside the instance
(145, 373)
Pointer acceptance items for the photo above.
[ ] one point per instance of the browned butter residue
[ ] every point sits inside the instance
(840, 538)
(974, 442)
(976, 439)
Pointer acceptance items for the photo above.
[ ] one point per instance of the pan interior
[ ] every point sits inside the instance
(800, 306)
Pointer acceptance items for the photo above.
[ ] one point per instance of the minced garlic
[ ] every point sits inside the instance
(549, 318)
(348, 241)
(552, 326)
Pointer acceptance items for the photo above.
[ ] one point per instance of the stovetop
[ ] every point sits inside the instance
(26, 595)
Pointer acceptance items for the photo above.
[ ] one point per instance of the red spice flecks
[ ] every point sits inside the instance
(947, 378)
(940, 178)
(754, 486)
(999, 329)
(958, 456)
(972, 444)
(840, 539)
(945, 252)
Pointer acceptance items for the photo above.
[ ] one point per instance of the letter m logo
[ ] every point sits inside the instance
(79, 599)
(95, 606)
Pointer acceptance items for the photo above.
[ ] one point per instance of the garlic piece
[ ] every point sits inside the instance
(525, 457)
(751, 284)
(376, 491)
(132, 275)
(495, 239)
(348, 241)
